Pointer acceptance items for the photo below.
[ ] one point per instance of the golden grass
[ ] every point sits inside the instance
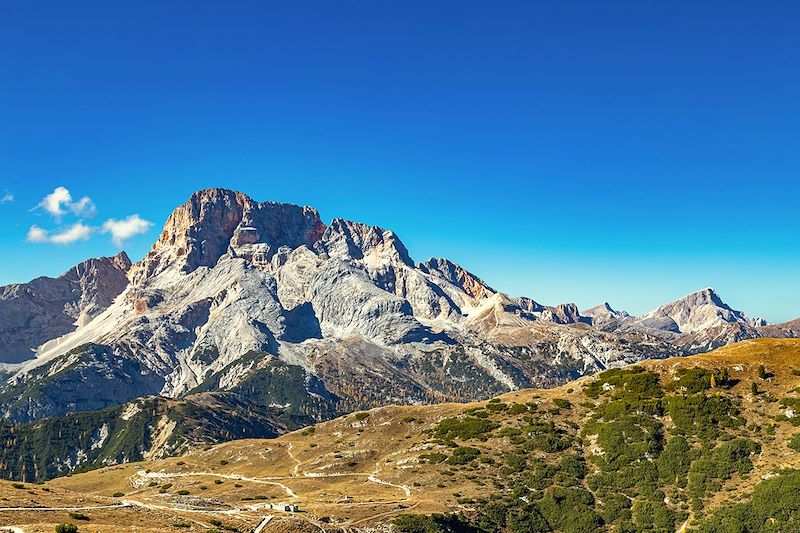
(351, 472)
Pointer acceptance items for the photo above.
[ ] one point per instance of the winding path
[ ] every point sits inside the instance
(404, 488)
(297, 462)
(236, 477)
(82, 508)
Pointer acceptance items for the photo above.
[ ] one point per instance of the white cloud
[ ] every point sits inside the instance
(37, 235)
(59, 202)
(75, 232)
(125, 228)
(7, 199)
(84, 207)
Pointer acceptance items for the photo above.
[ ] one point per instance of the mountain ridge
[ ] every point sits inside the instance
(345, 305)
(45, 308)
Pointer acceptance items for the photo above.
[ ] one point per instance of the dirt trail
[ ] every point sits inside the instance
(404, 488)
(296, 469)
(271, 480)
(264, 521)
(82, 508)
(236, 477)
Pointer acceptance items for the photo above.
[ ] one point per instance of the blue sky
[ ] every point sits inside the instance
(570, 151)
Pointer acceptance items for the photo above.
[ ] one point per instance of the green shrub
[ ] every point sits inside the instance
(654, 515)
(694, 380)
(674, 461)
(573, 465)
(570, 510)
(434, 458)
(463, 455)
(496, 406)
(719, 464)
(517, 409)
(436, 523)
(562, 403)
(628, 440)
(773, 506)
(702, 415)
(66, 528)
(633, 382)
(465, 428)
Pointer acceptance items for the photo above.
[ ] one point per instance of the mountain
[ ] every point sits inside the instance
(46, 308)
(264, 300)
(700, 322)
(605, 317)
(703, 443)
(697, 312)
(146, 428)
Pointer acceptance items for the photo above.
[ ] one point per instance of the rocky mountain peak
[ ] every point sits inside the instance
(694, 312)
(703, 297)
(214, 222)
(458, 276)
(602, 309)
(344, 239)
(562, 314)
(96, 268)
(45, 308)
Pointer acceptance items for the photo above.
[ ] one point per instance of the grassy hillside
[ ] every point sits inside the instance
(706, 443)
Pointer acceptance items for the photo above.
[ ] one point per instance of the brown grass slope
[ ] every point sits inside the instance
(365, 469)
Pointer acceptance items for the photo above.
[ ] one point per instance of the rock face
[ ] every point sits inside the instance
(696, 312)
(605, 317)
(45, 308)
(216, 222)
(699, 322)
(265, 301)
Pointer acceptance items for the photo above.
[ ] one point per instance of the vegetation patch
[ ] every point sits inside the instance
(466, 428)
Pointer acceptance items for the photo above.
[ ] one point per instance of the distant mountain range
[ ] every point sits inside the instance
(266, 302)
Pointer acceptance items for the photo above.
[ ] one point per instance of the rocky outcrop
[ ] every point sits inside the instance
(693, 313)
(454, 274)
(562, 314)
(605, 317)
(45, 308)
(216, 222)
(371, 245)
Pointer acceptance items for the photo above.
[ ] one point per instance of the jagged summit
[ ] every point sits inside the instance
(694, 312)
(602, 309)
(46, 308)
(455, 274)
(214, 222)
(344, 239)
